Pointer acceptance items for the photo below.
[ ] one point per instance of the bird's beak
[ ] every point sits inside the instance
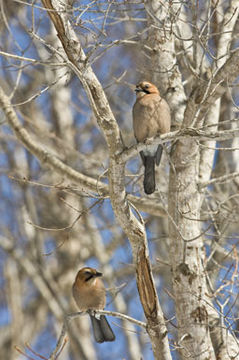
(98, 274)
(137, 89)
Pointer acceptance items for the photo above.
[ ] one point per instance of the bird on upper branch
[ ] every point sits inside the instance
(89, 294)
(151, 117)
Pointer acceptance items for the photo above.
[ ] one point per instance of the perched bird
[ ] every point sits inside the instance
(151, 117)
(89, 294)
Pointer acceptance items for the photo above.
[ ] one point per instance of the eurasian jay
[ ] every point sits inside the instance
(151, 117)
(89, 294)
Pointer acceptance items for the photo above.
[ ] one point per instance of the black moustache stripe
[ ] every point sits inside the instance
(90, 277)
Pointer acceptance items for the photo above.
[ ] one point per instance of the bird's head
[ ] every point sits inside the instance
(145, 87)
(87, 275)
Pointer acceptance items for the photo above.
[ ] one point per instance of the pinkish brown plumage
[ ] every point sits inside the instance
(89, 294)
(151, 117)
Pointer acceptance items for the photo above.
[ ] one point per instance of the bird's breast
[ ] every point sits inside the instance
(89, 298)
(151, 117)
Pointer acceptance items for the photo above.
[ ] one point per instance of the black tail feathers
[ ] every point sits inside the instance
(149, 162)
(149, 174)
(101, 329)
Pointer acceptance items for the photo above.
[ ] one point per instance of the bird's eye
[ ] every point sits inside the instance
(88, 275)
(146, 86)
(87, 272)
